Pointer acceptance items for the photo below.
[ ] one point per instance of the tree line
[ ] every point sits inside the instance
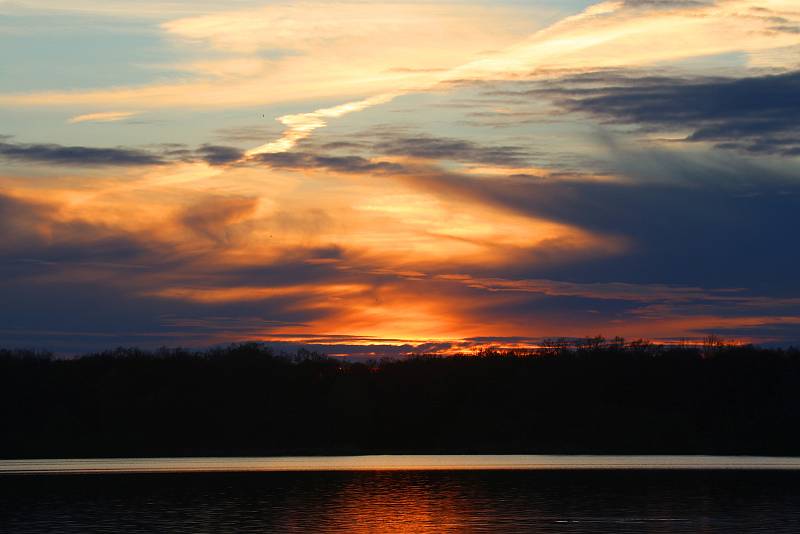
(595, 396)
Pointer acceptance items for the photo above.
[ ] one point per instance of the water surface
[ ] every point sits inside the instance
(394, 463)
(377, 494)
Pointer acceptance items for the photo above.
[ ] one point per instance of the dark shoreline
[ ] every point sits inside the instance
(246, 401)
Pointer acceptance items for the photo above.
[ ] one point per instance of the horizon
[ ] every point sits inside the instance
(402, 177)
(709, 346)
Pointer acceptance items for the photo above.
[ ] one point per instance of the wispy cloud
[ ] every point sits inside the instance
(608, 34)
(291, 52)
(302, 125)
(102, 116)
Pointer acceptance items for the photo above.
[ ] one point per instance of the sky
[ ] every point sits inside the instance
(380, 178)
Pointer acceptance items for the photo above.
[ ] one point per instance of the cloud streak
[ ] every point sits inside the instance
(300, 126)
(76, 155)
(102, 116)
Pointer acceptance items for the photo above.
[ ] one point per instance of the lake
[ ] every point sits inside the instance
(403, 494)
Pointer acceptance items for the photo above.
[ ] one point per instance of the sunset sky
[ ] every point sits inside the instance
(389, 177)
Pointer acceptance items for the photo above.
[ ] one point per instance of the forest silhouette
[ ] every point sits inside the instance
(594, 396)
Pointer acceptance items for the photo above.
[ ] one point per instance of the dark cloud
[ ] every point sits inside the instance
(688, 221)
(429, 147)
(350, 153)
(323, 157)
(756, 114)
(80, 156)
(77, 155)
(343, 164)
(219, 155)
(211, 154)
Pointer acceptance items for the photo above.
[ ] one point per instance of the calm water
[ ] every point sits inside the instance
(575, 495)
